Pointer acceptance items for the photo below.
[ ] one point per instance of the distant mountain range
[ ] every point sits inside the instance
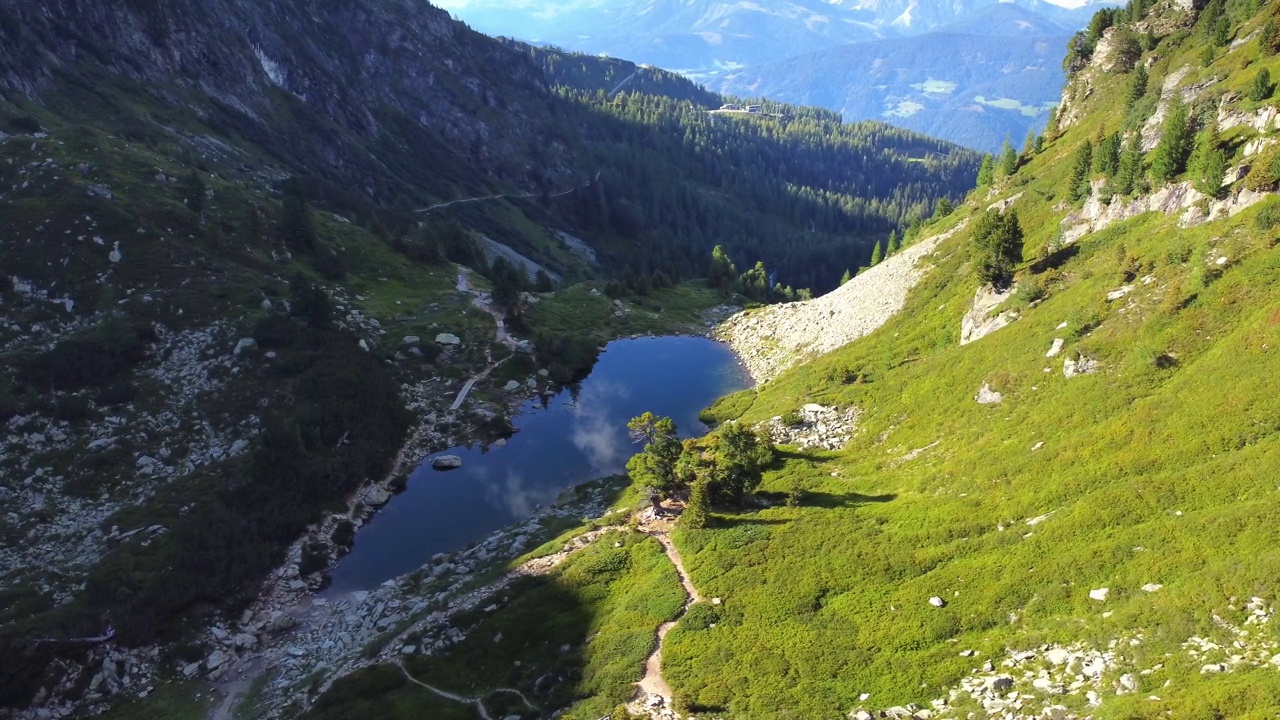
(969, 71)
(992, 75)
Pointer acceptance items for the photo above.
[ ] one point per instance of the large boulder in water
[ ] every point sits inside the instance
(447, 462)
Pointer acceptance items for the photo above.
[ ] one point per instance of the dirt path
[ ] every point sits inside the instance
(477, 702)
(653, 683)
(480, 300)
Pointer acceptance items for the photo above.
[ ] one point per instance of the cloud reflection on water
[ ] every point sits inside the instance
(595, 433)
(518, 496)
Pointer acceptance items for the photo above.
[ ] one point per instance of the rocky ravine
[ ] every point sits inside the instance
(770, 340)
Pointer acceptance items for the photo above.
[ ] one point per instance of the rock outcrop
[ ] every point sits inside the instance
(770, 340)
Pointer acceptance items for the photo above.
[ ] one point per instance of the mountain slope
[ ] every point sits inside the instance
(1071, 515)
(232, 239)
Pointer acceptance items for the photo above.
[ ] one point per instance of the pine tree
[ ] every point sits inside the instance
(1137, 87)
(1261, 88)
(1169, 158)
(696, 510)
(999, 239)
(1130, 171)
(846, 277)
(1008, 159)
(1078, 180)
(1029, 145)
(894, 244)
(1106, 156)
(297, 228)
(1269, 39)
(193, 191)
(876, 255)
(1208, 162)
(986, 171)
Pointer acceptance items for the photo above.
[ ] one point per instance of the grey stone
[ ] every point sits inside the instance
(448, 339)
(447, 462)
(216, 659)
(245, 345)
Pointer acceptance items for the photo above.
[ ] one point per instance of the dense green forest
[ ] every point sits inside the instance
(799, 189)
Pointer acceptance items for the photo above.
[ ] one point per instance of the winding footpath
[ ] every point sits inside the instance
(480, 300)
(653, 684)
(477, 702)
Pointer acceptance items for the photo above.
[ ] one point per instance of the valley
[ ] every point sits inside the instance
(736, 415)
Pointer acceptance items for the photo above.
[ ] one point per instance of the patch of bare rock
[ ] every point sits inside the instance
(773, 339)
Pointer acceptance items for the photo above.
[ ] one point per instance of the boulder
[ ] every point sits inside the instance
(937, 601)
(281, 620)
(1099, 594)
(511, 385)
(447, 462)
(987, 396)
(448, 339)
(412, 339)
(979, 322)
(378, 496)
(216, 659)
(1081, 366)
(1055, 348)
(245, 345)
(1152, 587)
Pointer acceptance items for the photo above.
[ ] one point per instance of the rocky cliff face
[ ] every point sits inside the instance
(372, 80)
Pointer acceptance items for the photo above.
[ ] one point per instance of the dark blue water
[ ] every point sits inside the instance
(564, 444)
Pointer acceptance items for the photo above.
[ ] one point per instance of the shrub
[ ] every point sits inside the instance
(1268, 218)
(25, 124)
(99, 358)
(793, 419)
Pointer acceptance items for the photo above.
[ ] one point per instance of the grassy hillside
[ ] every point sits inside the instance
(1106, 541)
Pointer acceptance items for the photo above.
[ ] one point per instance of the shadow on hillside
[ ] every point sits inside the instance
(844, 500)
(1055, 259)
(720, 521)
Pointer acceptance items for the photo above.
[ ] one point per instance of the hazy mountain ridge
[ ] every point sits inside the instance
(861, 58)
(977, 81)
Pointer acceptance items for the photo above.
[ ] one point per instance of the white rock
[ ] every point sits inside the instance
(1119, 293)
(978, 322)
(1082, 366)
(1099, 594)
(447, 462)
(987, 396)
(716, 601)
(1057, 656)
(1055, 348)
(364, 345)
(1128, 683)
(412, 339)
(511, 385)
(1213, 668)
(937, 601)
(245, 345)
(448, 339)
(1152, 587)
